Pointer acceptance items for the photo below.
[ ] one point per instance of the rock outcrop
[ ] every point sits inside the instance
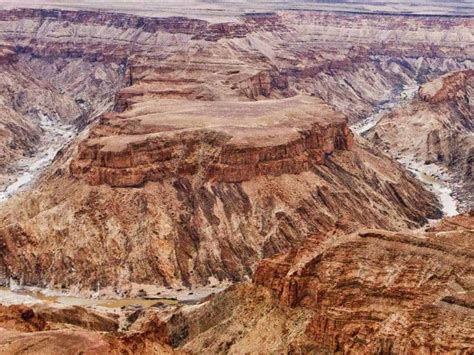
(371, 291)
(449, 87)
(218, 141)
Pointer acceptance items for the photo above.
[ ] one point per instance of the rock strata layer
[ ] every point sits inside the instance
(372, 291)
(218, 141)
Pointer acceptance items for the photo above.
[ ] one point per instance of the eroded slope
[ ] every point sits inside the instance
(179, 192)
(371, 291)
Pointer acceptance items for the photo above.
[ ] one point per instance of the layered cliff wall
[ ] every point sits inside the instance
(372, 291)
(221, 141)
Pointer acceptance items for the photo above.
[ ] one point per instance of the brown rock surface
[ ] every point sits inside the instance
(218, 186)
(187, 227)
(217, 141)
(371, 291)
(45, 329)
(214, 200)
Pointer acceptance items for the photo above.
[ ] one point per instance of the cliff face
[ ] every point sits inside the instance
(220, 141)
(436, 128)
(371, 291)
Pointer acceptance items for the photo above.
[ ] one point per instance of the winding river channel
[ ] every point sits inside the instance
(55, 136)
(431, 175)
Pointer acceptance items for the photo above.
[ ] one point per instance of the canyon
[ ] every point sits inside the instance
(437, 131)
(230, 170)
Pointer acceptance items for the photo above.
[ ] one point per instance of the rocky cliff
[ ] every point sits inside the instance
(371, 291)
(204, 147)
(193, 220)
(219, 141)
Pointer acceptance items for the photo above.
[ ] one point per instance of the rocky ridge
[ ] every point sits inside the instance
(367, 292)
(202, 222)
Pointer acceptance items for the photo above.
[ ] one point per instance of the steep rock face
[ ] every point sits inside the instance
(220, 141)
(371, 291)
(437, 127)
(345, 59)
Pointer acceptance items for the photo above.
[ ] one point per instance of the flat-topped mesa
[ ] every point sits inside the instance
(446, 87)
(218, 141)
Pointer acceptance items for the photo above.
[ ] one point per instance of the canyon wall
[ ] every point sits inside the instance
(371, 291)
(219, 151)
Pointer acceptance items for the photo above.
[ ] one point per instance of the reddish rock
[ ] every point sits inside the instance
(221, 141)
(447, 87)
(371, 291)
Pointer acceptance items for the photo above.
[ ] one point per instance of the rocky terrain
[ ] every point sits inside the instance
(208, 193)
(201, 197)
(142, 156)
(436, 131)
(50, 330)
(371, 291)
